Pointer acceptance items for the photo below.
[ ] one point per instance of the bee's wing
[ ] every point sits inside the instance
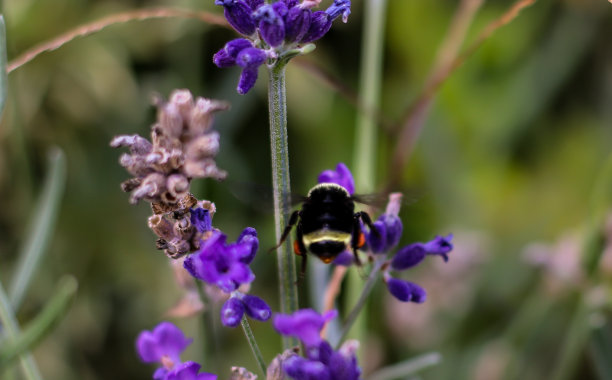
(258, 196)
(380, 200)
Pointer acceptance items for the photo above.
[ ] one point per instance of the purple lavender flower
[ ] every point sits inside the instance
(388, 233)
(249, 59)
(221, 264)
(232, 312)
(413, 254)
(164, 345)
(278, 30)
(323, 363)
(341, 176)
(304, 324)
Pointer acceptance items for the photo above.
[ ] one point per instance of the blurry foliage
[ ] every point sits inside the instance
(509, 156)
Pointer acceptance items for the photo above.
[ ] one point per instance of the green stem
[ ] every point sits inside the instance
(281, 187)
(248, 333)
(361, 301)
(370, 77)
(364, 157)
(9, 324)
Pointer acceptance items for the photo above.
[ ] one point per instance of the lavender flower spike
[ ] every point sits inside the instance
(250, 59)
(226, 57)
(271, 25)
(339, 7)
(341, 176)
(304, 324)
(186, 371)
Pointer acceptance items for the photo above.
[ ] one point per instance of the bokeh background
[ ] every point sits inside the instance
(510, 155)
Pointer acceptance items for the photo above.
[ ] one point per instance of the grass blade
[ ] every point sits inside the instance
(3, 73)
(11, 329)
(407, 368)
(41, 227)
(53, 312)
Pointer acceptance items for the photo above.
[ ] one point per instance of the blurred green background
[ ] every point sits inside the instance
(507, 161)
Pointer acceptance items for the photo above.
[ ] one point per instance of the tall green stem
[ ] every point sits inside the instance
(248, 333)
(281, 187)
(366, 138)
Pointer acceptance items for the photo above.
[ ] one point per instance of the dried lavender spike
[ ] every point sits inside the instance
(170, 120)
(130, 184)
(204, 146)
(183, 228)
(184, 102)
(201, 117)
(135, 165)
(177, 185)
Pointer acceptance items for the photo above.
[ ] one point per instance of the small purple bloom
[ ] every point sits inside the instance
(250, 59)
(226, 57)
(256, 308)
(238, 14)
(304, 324)
(271, 24)
(164, 343)
(232, 312)
(297, 23)
(413, 254)
(341, 176)
(405, 291)
(188, 371)
(248, 236)
(320, 23)
(221, 264)
(254, 4)
(200, 218)
(344, 259)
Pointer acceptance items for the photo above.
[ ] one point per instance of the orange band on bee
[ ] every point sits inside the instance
(361, 240)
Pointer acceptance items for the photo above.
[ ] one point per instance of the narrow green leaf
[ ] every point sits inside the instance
(53, 312)
(11, 330)
(407, 368)
(601, 351)
(3, 73)
(41, 227)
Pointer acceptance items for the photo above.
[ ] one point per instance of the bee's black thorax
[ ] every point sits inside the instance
(328, 207)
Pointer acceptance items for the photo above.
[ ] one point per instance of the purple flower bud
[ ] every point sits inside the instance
(341, 176)
(297, 23)
(320, 23)
(256, 308)
(248, 237)
(304, 324)
(200, 218)
(226, 57)
(251, 57)
(405, 291)
(238, 14)
(232, 312)
(393, 227)
(439, 246)
(188, 371)
(377, 240)
(271, 24)
(408, 256)
(166, 340)
(339, 7)
(248, 77)
(291, 3)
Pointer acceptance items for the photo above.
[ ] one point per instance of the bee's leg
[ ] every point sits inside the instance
(292, 221)
(357, 238)
(300, 250)
(368, 222)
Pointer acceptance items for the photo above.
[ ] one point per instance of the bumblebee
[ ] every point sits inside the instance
(327, 224)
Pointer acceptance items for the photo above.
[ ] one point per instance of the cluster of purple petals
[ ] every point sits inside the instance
(164, 344)
(224, 265)
(200, 219)
(240, 304)
(280, 25)
(321, 362)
